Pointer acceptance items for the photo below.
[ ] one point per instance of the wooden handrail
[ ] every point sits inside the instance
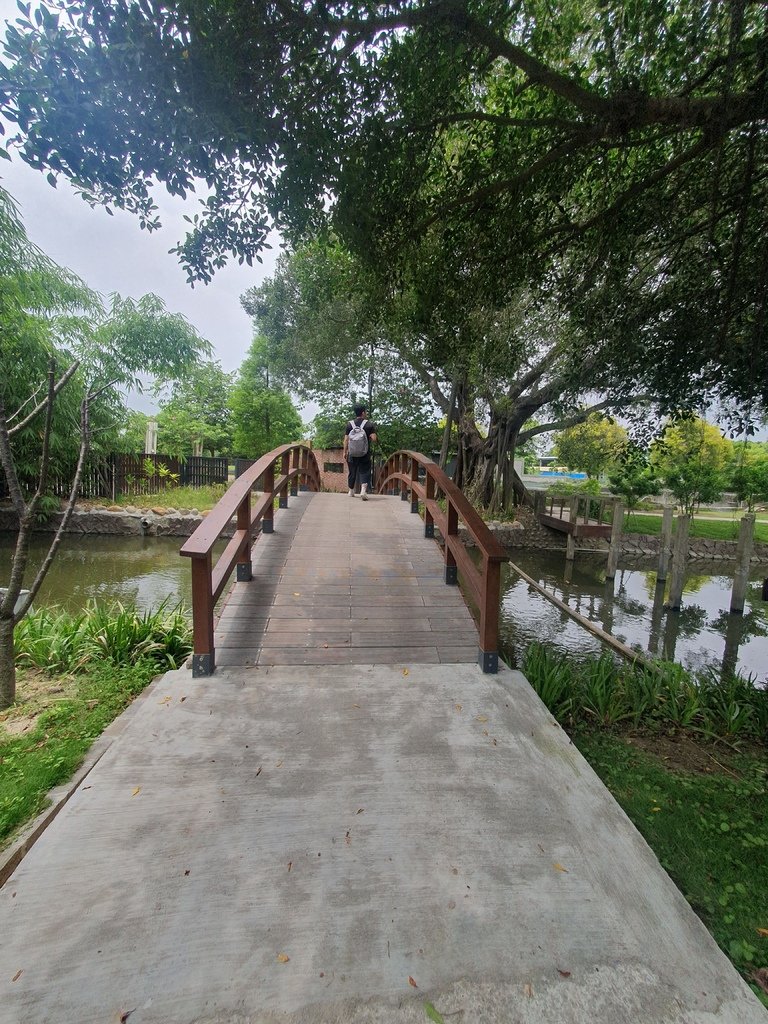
(415, 474)
(297, 468)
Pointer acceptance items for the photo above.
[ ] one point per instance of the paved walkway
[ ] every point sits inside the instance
(359, 845)
(342, 581)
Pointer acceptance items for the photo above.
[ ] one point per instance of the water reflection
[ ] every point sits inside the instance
(703, 634)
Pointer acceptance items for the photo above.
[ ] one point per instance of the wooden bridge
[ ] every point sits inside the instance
(341, 581)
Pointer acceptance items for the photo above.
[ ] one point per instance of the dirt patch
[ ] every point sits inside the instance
(682, 753)
(35, 693)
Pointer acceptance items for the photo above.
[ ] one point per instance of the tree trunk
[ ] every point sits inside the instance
(7, 664)
(446, 445)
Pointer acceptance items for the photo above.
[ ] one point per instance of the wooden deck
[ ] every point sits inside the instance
(345, 582)
(579, 528)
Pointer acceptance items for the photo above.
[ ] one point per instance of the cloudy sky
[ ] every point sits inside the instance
(113, 254)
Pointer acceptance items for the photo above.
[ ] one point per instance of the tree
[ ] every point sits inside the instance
(749, 477)
(690, 458)
(263, 416)
(197, 412)
(591, 446)
(327, 321)
(56, 336)
(521, 142)
(633, 477)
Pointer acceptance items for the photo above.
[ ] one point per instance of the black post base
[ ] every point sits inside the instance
(488, 661)
(203, 664)
(282, 503)
(304, 487)
(451, 574)
(429, 530)
(415, 507)
(267, 526)
(244, 572)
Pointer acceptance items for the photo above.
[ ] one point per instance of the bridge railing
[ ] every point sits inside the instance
(280, 472)
(421, 479)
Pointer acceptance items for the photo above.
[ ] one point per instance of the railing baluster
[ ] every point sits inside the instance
(244, 568)
(452, 530)
(268, 486)
(429, 522)
(295, 465)
(488, 656)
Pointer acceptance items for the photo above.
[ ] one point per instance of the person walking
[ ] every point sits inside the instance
(359, 436)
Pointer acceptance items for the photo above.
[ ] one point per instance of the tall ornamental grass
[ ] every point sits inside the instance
(59, 641)
(662, 697)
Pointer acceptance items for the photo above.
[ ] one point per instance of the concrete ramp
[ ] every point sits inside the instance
(385, 844)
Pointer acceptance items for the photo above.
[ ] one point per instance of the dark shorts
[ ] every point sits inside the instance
(359, 469)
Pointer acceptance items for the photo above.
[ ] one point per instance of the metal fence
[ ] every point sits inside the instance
(113, 475)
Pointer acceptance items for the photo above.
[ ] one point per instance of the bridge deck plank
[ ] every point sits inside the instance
(342, 581)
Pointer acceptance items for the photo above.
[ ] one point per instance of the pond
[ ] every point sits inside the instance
(148, 570)
(134, 570)
(631, 608)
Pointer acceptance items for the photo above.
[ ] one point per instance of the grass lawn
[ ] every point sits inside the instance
(638, 522)
(200, 498)
(45, 735)
(706, 819)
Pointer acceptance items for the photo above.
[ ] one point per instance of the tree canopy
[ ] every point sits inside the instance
(613, 153)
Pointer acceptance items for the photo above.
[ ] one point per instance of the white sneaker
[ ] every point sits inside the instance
(364, 496)
(351, 494)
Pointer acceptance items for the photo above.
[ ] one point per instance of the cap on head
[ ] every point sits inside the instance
(359, 410)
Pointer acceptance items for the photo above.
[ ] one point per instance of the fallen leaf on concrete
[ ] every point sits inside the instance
(360, 810)
(17, 975)
(165, 700)
(258, 770)
(540, 847)
(182, 699)
(290, 865)
(760, 977)
(347, 839)
(297, 593)
(528, 990)
(433, 1014)
(563, 974)
(457, 706)
(493, 742)
(482, 718)
(126, 1014)
(279, 764)
(763, 932)
(283, 958)
(187, 871)
(405, 672)
(559, 867)
(412, 982)
(136, 791)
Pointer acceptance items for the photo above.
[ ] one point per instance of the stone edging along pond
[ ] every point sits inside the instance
(121, 521)
(525, 532)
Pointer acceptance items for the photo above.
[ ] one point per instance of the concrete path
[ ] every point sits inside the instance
(342, 581)
(327, 844)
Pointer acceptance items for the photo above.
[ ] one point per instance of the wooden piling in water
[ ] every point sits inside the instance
(665, 548)
(743, 555)
(616, 533)
(679, 563)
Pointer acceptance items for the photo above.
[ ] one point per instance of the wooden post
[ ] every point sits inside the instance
(403, 485)
(654, 635)
(414, 480)
(488, 653)
(452, 530)
(268, 483)
(285, 468)
(616, 532)
(570, 547)
(244, 567)
(743, 554)
(665, 547)
(204, 654)
(295, 464)
(429, 522)
(304, 463)
(679, 563)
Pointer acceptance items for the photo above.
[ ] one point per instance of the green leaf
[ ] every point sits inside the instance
(433, 1014)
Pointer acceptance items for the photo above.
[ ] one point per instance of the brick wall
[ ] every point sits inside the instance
(332, 479)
